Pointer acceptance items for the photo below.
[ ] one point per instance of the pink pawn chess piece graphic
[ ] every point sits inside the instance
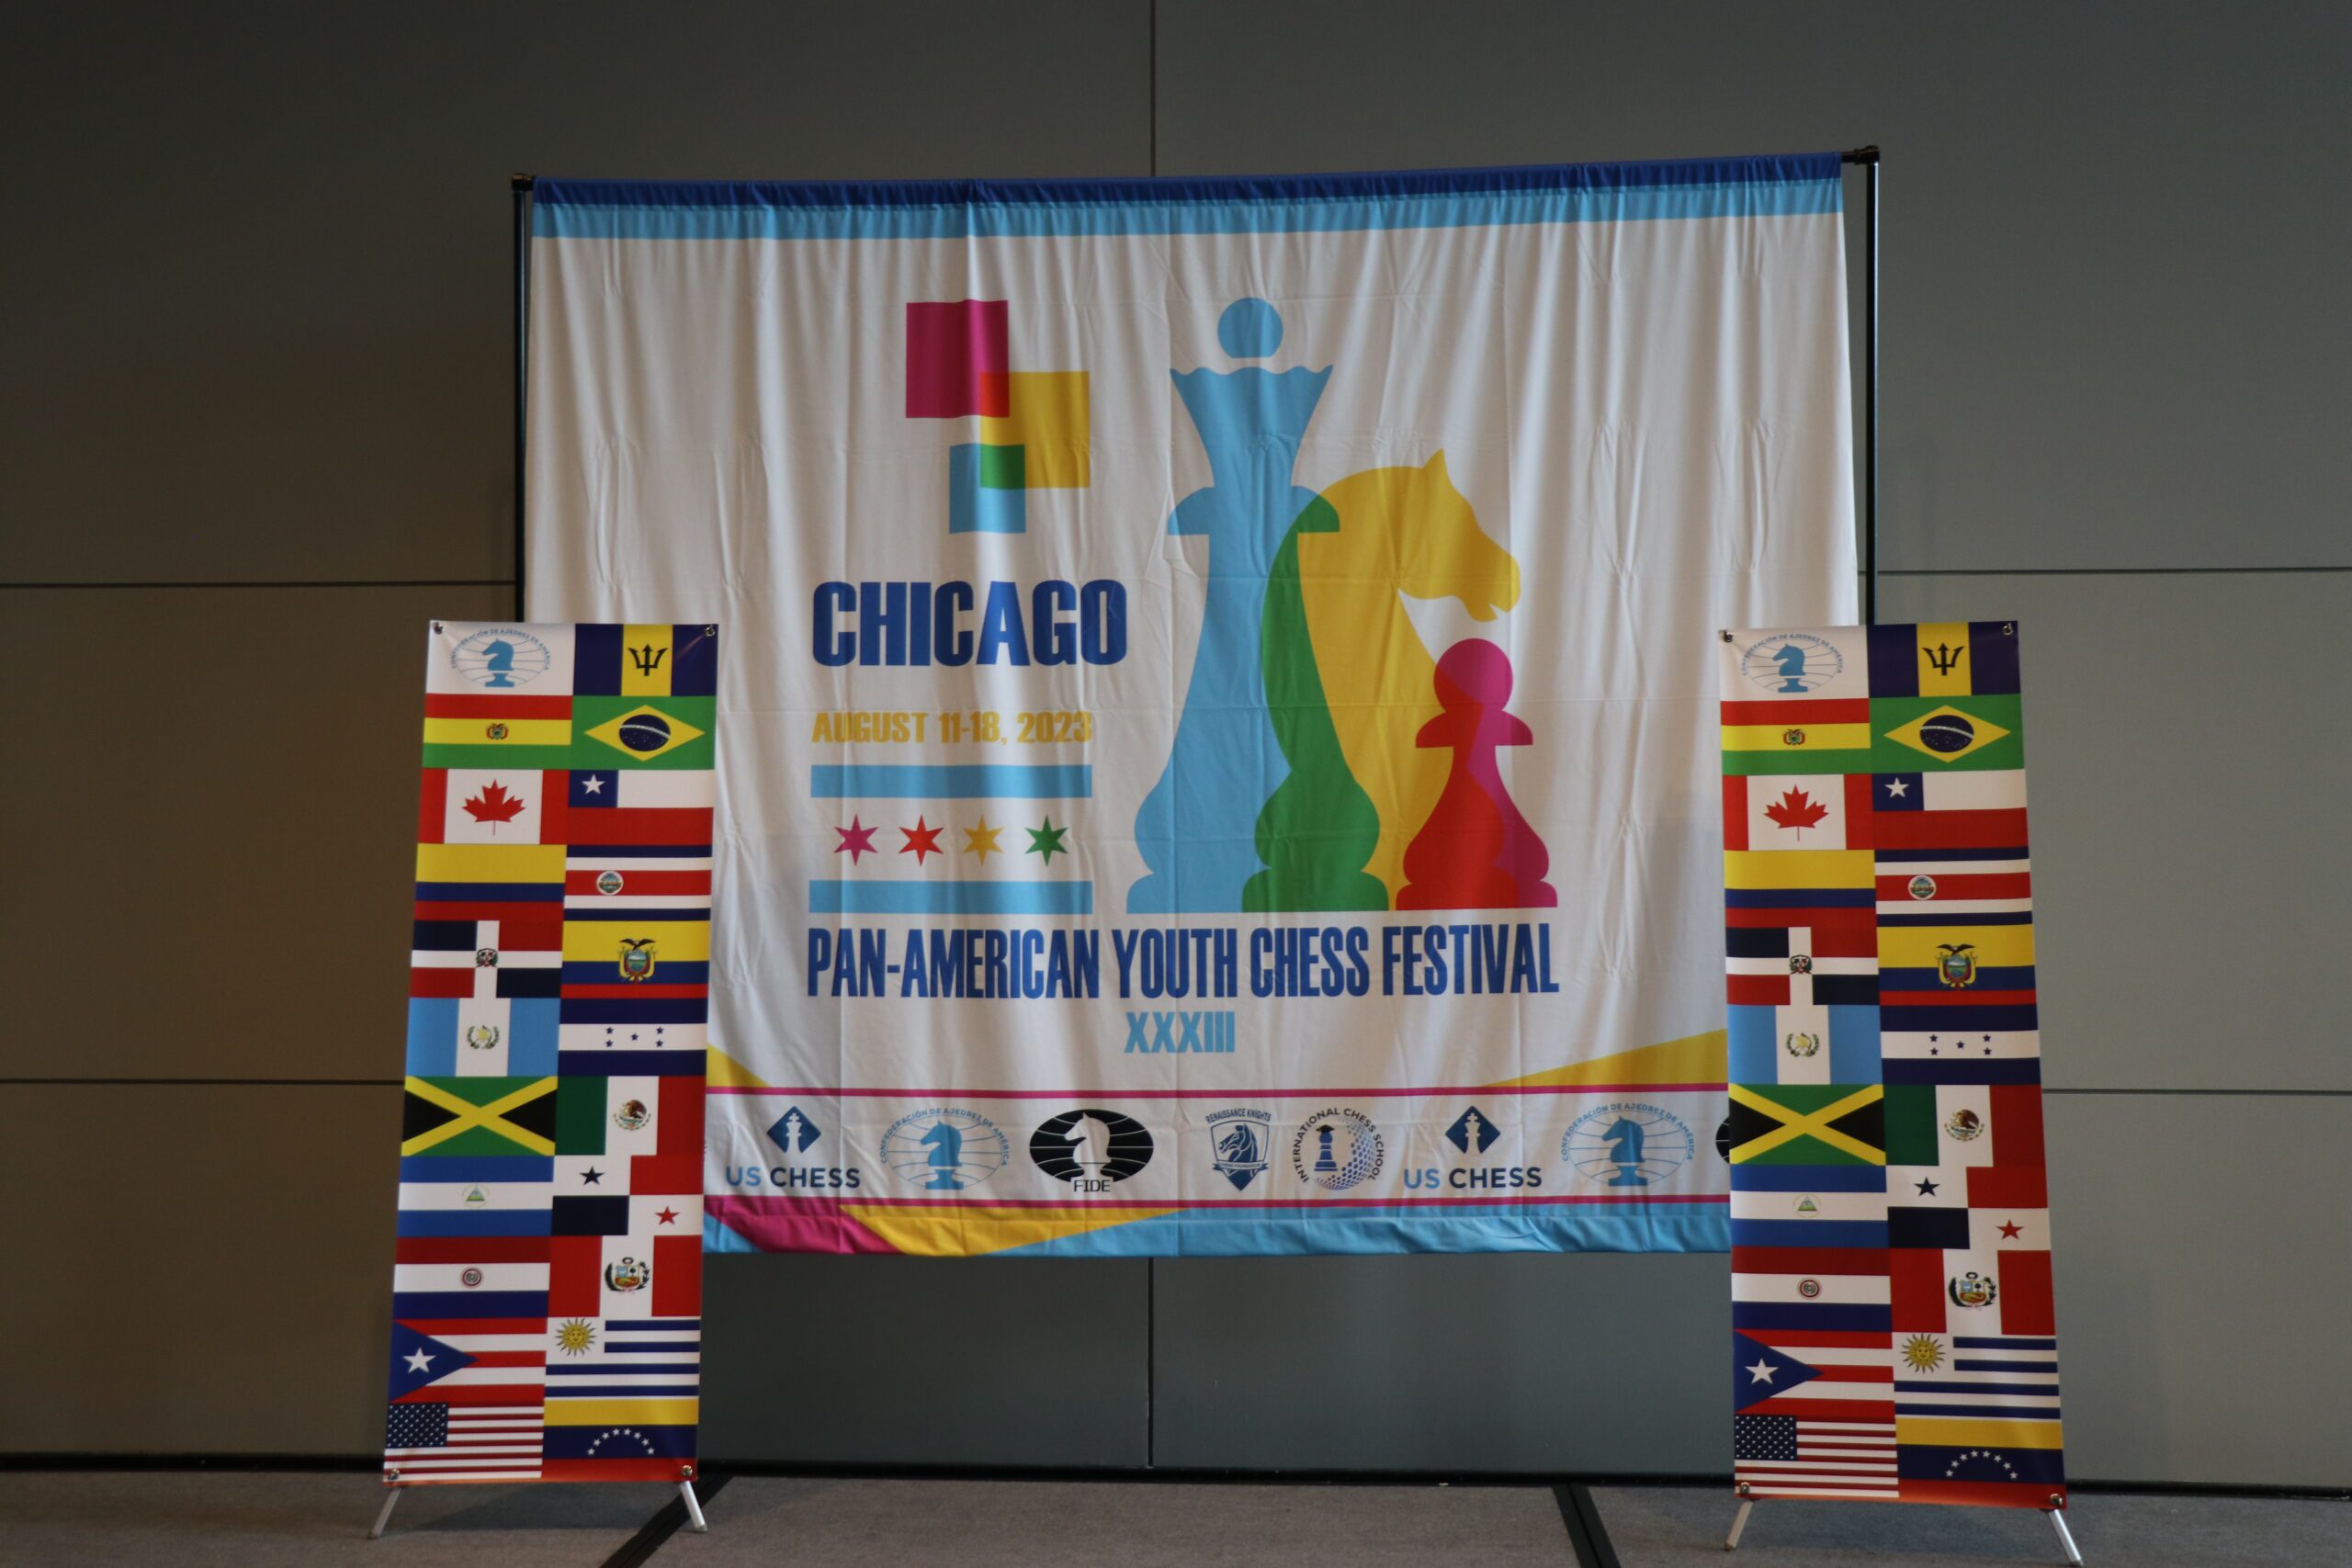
(1475, 851)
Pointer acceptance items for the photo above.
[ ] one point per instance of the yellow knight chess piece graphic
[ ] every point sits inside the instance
(1403, 531)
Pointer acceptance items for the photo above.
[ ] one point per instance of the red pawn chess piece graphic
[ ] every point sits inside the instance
(1475, 851)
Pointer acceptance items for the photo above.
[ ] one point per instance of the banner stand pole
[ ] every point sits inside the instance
(694, 1518)
(521, 186)
(1738, 1523)
(1867, 158)
(384, 1514)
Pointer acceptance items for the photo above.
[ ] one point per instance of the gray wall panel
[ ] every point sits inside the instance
(1516, 1362)
(2115, 332)
(2199, 1243)
(2196, 1326)
(920, 1360)
(197, 1268)
(2191, 852)
(256, 297)
(224, 866)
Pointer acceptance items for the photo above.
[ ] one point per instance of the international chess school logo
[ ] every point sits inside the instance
(1239, 1140)
(502, 659)
(1092, 1150)
(945, 1149)
(1627, 1143)
(1791, 664)
(1335, 1149)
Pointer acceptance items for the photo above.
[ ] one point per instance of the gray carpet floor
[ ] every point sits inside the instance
(231, 1519)
(248, 1519)
(1033, 1524)
(1661, 1527)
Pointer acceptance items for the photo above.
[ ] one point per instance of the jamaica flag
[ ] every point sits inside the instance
(1808, 1125)
(479, 1116)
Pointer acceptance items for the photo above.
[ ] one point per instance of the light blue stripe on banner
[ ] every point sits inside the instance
(951, 781)
(951, 898)
(1288, 215)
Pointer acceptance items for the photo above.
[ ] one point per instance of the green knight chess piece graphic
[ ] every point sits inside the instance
(1319, 830)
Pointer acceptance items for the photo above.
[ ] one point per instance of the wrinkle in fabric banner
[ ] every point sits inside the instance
(1894, 1336)
(1220, 755)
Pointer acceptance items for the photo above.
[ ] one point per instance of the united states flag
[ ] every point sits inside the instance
(465, 1443)
(1785, 1456)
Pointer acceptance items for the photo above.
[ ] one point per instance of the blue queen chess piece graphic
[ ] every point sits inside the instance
(1197, 828)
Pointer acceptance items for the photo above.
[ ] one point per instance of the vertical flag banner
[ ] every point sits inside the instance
(1893, 1331)
(547, 1292)
(1219, 748)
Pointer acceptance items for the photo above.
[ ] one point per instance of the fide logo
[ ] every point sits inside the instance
(1092, 1150)
(1335, 1149)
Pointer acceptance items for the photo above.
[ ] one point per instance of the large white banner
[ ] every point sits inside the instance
(1219, 747)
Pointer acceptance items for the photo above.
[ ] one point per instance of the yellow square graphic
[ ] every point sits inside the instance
(1048, 417)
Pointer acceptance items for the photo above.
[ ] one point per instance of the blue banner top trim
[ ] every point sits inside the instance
(1699, 188)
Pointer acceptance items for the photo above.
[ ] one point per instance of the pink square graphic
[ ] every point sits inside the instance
(956, 359)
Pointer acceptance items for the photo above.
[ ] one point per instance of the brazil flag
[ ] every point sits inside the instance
(643, 732)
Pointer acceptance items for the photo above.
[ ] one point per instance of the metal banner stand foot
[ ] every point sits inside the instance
(384, 1514)
(693, 1511)
(1746, 1504)
(2066, 1538)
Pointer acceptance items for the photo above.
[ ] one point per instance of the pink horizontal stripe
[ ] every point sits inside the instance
(835, 1205)
(1213, 1093)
